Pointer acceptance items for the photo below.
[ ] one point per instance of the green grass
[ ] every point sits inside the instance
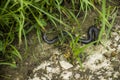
(16, 15)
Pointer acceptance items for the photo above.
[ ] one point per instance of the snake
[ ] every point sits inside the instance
(92, 35)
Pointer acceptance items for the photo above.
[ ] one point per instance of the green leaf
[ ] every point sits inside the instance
(9, 64)
(16, 52)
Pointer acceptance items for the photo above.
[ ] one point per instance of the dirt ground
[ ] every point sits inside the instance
(44, 61)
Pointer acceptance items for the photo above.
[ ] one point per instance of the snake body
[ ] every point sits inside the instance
(55, 39)
(92, 34)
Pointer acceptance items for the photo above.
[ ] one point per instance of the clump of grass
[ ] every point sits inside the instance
(15, 16)
(105, 14)
(8, 20)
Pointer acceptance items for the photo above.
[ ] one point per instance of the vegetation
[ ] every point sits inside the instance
(19, 17)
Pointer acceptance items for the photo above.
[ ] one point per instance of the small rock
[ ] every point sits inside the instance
(118, 48)
(77, 76)
(65, 65)
(53, 70)
(117, 38)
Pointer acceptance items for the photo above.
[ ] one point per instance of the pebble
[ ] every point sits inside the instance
(118, 48)
(65, 65)
(117, 38)
(77, 76)
(53, 70)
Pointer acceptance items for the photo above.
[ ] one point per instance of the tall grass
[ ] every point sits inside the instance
(19, 17)
(105, 14)
(14, 16)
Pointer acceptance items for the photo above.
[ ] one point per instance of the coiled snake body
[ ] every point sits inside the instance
(92, 34)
